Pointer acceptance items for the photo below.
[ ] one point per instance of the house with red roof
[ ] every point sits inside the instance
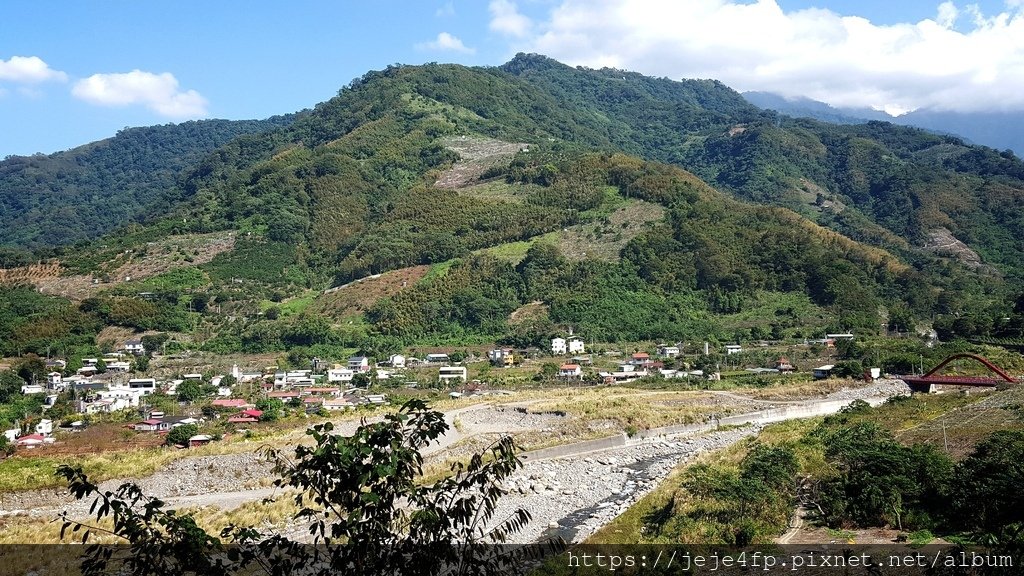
(570, 372)
(152, 425)
(31, 440)
(246, 417)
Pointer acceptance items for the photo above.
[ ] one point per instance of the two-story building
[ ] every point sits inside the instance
(448, 374)
(576, 346)
(559, 346)
(359, 364)
(501, 357)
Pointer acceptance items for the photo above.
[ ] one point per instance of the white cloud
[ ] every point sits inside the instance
(158, 92)
(506, 19)
(948, 13)
(447, 43)
(842, 60)
(446, 11)
(29, 70)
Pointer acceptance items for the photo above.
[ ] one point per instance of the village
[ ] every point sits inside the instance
(105, 388)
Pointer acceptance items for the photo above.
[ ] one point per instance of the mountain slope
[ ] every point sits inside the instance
(80, 194)
(905, 180)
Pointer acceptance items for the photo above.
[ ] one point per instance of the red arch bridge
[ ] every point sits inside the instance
(933, 377)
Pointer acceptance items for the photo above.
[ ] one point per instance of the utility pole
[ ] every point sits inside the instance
(945, 441)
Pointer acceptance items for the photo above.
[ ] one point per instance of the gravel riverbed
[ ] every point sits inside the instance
(570, 496)
(574, 496)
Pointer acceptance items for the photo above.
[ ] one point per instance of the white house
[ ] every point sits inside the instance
(144, 385)
(439, 357)
(121, 394)
(87, 370)
(290, 377)
(570, 372)
(134, 347)
(359, 364)
(54, 379)
(397, 361)
(45, 427)
(667, 351)
(576, 346)
(449, 373)
(152, 425)
(119, 366)
(558, 346)
(31, 389)
(340, 375)
(106, 405)
(733, 349)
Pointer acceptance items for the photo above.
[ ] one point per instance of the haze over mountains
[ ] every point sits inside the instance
(999, 130)
(630, 207)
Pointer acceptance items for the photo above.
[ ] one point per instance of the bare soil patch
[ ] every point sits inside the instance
(357, 297)
(155, 258)
(477, 154)
(942, 243)
(532, 311)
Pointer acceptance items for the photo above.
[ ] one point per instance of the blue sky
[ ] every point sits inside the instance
(72, 72)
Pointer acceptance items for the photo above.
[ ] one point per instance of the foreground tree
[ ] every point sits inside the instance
(362, 495)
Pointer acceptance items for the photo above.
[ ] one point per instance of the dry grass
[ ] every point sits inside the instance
(956, 423)
(796, 389)
(274, 515)
(626, 407)
(32, 470)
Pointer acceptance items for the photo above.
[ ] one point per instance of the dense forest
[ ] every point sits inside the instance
(83, 193)
(742, 207)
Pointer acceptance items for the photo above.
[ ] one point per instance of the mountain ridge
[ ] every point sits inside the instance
(81, 193)
(998, 130)
(770, 206)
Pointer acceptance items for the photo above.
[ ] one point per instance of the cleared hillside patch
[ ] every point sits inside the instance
(477, 154)
(357, 297)
(152, 259)
(601, 239)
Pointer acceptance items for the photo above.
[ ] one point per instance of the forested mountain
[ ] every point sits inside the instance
(85, 192)
(591, 198)
(910, 182)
